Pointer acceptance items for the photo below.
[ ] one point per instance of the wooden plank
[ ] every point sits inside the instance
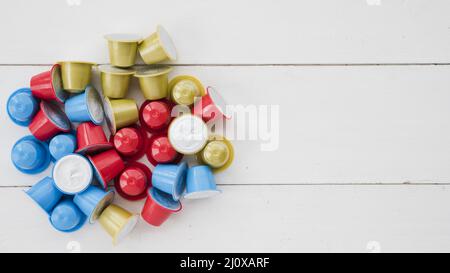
(255, 32)
(336, 124)
(258, 219)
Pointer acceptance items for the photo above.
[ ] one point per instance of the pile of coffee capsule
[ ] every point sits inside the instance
(65, 114)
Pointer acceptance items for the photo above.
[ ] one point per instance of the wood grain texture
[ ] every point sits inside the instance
(258, 219)
(336, 124)
(342, 128)
(230, 32)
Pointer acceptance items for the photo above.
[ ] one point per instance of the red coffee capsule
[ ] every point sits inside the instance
(130, 142)
(155, 116)
(91, 139)
(49, 121)
(107, 165)
(158, 207)
(132, 183)
(211, 106)
(160, 151)
(48, 85)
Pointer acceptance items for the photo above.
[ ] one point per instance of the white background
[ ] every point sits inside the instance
(363, 87)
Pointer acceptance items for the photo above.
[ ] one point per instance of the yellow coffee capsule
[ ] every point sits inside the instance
(75, 75)
(154, 81)
(117, 222)
(120, 113)
(115, 81)
(122, 48)
(184, 89)
(218, 153)
(157, 47)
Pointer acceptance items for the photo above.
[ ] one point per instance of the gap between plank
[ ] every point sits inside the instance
(268, 65)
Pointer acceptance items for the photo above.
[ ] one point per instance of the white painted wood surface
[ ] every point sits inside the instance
(347, 132)
(260, 219)
(375, 124)
(234, 31)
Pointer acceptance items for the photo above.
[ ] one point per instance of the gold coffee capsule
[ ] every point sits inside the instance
(115, 81)
(184, 89)
(218, 153)
(157, 47)
(75, 75)
(154, 82)
(120, 113)
(117, 222)
(122, 48)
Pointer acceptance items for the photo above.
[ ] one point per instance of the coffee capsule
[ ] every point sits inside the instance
(76, 76)
(48, 85)
(188, 134)
(155, 116)
(200, 183)
(107, 165)
(120, 113)
(184, 89)
(117, 222)
(22, 107)
(158, 207)
(49, 121)
(30, 156)
(67, 217)
(62, 145)
(130, 142)
(160, 151)
(115, 81)
(154, 81)
(157, 47)
(133, 182)
(170, 178)
(45, 194)
(93, 201)
(122, 48)
(86, 106)
(218, 153)
(72, 174)
(211, 106)
(91, 139)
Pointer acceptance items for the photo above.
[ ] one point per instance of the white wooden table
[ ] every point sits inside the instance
(363, 88)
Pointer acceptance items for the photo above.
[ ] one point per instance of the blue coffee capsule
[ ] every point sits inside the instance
(30, 155)
(93, 201)
(62, 145)
(84, 107)
(22, 106)
(45, 194)
(170, 178)
(67, 217)
(200, 183)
